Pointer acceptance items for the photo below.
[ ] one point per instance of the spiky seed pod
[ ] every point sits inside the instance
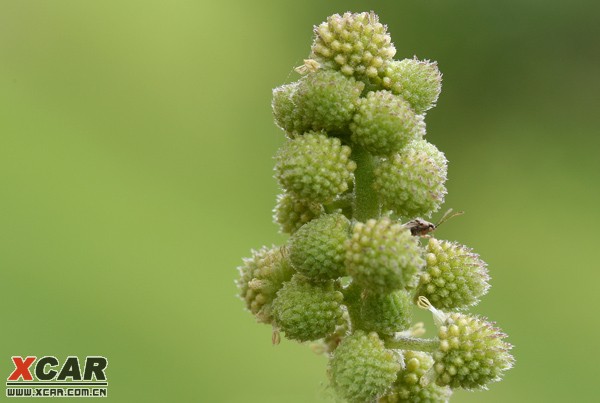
(292, 213)
(384, 123)
(261, 276)
(472, 352)
(362, 369)
(307, 311)
(386, 313)
(355, 44)
(382, 256)
(286, 114)
(412, 183)
(314, 167)
(419, 82)
(408, 388)
(454, 278)
(326, 100)
(317, 249)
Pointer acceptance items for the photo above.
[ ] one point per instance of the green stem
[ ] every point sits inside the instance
(366, 204)
(413, 343)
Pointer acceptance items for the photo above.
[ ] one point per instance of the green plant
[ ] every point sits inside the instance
(356, 174)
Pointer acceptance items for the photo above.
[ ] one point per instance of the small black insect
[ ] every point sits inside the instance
(419, 227)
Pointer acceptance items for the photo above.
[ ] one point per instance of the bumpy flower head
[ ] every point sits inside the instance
(408, 388)
(284, 111)
(325, 100)
(419, 82)
(261, 276)
(307, 311)
(291, 213)
(328, 344)
(382, 256)
(384, 123)
(362, 369)
(386, 313)
(315, 167)
(317, 249)
(355, 44)
(472, 353)
(454, 277)
(412, 183)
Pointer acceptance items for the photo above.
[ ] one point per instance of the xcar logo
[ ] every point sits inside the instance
(46, 377)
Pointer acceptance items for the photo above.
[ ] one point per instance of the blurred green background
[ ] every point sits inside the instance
(136, 144)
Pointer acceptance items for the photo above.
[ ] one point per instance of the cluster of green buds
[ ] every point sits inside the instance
(357, 176)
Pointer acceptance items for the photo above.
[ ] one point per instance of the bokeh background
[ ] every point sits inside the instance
(136, 144)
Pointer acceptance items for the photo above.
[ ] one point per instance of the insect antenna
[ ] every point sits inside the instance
(448, 215)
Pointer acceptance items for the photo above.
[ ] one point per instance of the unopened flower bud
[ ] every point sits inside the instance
(412, 183)
(362, 369)
(315, 167)
(317, 249)
(261, 276)
(454, 278)
(384, 123)
(307, 311)
(382, 256)
(418, 82)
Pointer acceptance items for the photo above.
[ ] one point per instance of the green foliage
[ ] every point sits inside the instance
(317, 249)
(384, 123)
(355, 149)
(307, 311)
(454, 278)
(362, 369)
(412, 183)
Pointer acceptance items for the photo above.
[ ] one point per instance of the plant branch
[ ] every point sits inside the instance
(366, 204)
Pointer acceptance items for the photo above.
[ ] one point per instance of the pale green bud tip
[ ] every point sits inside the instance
(292, 213)
(409, 388)
(307, 311)
(325, 100)
(382, 256)
(355, 44)
(412, 183)
(317, 249)
(472, 353)
(386, 313)
(454, 278)
(261, 276)
(315, 167)
(362, 369)
(284, 111)
(384, 123)
(419, 82)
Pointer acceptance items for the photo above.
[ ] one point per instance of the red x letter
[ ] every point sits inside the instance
(22, 369)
